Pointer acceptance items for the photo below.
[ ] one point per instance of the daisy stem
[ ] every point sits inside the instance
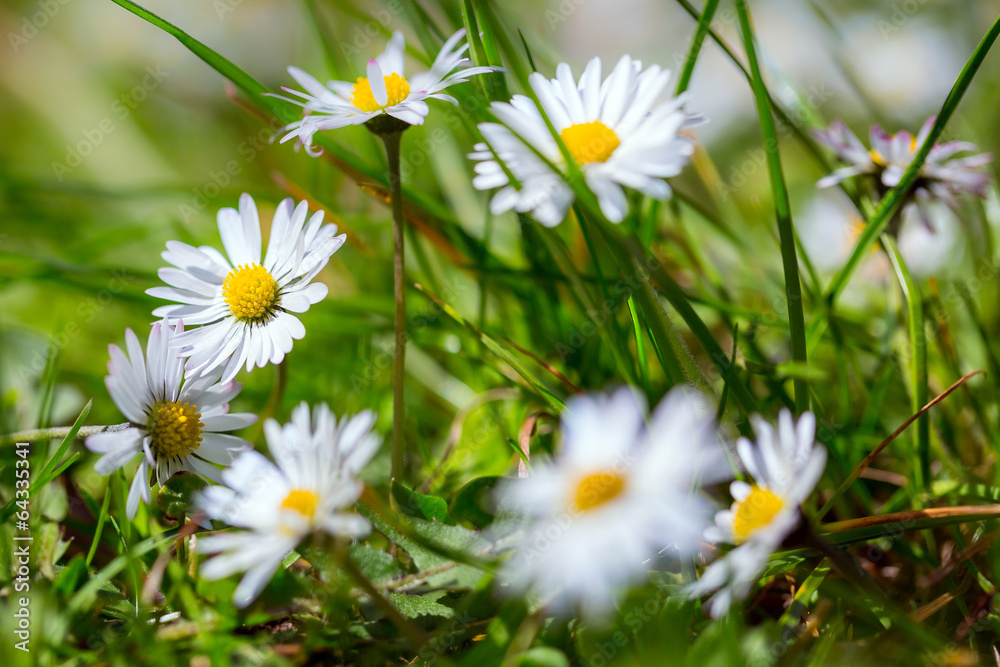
(392, 142)
(40, 434)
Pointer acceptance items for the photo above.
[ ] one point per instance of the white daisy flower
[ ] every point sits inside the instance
(614, 130)
(942, 177)
(384, 92)
(785, 467)
(246, 304)
(313, 483)
(830, 227)
(177, 423)
(617, 493)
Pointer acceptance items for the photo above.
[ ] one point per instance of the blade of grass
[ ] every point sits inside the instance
(782, 211)
(918, 361)
(98, 530)
(539, 387)
(49, 470)
(601, 320)
(704, 21)
(640, 346)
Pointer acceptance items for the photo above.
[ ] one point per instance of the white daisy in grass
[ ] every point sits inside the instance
(309, 490)
(246, 305)
(386, 91)
(943, 177)
(618, 492)
(785, 467)
(176, 423)
(615, 130)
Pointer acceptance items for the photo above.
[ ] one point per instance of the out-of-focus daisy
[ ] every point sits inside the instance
(943, 177)
(616, 494)
(309, 490)
(615, 131)
(177, 423)
(384, 92)
(246, 304)
(830, 227)
(785, 467)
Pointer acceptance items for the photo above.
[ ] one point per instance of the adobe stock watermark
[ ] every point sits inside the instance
(31, 24)
(22, 547)
(121, 109)
(901, 14)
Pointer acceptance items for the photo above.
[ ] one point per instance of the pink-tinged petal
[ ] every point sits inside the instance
(377, 82)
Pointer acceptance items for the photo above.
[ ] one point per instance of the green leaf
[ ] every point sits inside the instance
(473, 502)
(435, 547)
(51, 548)
(377, 565)
(544, 656)
(413, 606)
(177, 496)
(419, 505)
(72, 577)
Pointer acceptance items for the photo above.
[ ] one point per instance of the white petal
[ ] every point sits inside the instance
(377, 83)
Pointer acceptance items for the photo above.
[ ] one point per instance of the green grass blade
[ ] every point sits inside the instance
(918, 360)
(49, 470)
(782, 211)
(704, 22)
(499, 350)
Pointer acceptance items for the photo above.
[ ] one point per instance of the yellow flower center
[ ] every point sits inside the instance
(396, 87)
(877, 157)
(302, 501)
(251, 293)
(174, 429)
(596, 489)
(755, 512)
(590, 142)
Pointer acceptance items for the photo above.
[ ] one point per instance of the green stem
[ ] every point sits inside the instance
(782, 211)
(918, 361)
(40, 434)
(392, 142)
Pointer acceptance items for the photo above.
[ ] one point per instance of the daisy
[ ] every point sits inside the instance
(942, 177)
(384, 92)
(614, 130)
(313, 483)
(785, 467)
(177, 423)
(830, 227)
(246, 304)
(618, 492)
